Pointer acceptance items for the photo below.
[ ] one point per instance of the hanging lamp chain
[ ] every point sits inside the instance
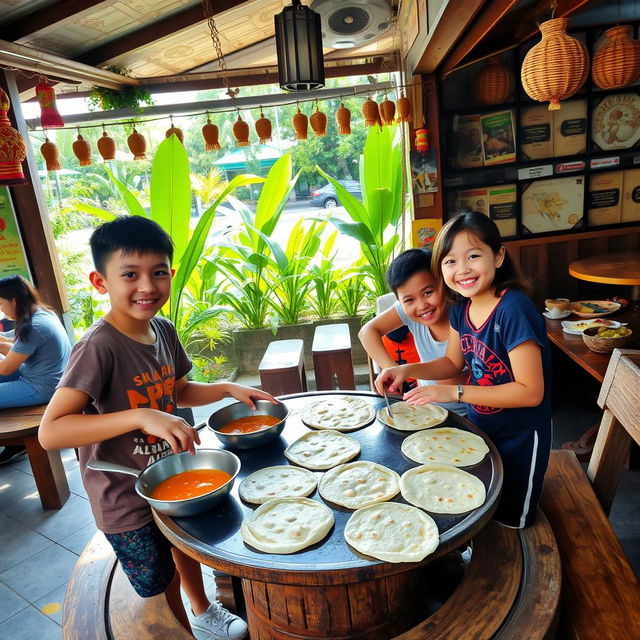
(217, 45)
(553, 5)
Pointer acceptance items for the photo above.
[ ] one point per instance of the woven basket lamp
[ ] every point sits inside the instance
(343, 120)
(300, 124)
(263, 128)
(495, 82)
(210, 134)
(49, 152)
(556, 67)
(106, 146)
(370, 112)
(387, 110)
(318, 121)
(617, 63)
(137, 145)
(241, 132)
(404, 109)
(13, 149)
(82, 151)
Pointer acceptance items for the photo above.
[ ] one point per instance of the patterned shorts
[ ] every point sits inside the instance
(145, 557)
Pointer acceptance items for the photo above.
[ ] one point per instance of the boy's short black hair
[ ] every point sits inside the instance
(129, 234)
(407, 264)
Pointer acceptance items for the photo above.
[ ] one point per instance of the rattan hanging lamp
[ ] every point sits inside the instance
(49, 152)
(210, 134)
(137, 145)
(617, 63)
(318, 121)
(241, 132)
(404, 108)
(263, 128)
(370, 112)
(106, 146)
(300, 124)
(387, 110)
(343, 120)
(494, 83)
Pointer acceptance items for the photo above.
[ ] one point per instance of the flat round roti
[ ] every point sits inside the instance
(319, 450)
(277, 482)
(287, 525)
(392, 532)
(441, 488)
(408, 417)
(359, 484)
(445, 444)
(341, 413)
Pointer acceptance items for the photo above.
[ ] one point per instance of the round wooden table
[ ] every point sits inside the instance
(614, 268)
(329, 589)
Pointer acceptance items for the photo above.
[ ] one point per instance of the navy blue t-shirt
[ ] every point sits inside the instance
(513, 321)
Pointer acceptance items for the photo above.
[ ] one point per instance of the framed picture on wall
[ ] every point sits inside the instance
(615, 122)
(552, 205)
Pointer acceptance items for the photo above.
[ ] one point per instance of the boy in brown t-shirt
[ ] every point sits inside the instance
(116, 402)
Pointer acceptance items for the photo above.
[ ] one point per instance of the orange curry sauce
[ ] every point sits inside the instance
(249, 424)
(190, 484)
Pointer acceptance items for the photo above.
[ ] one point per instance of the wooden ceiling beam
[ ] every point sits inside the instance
(155, 31)
(45, 18)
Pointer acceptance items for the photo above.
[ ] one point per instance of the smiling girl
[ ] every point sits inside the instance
(500, 335)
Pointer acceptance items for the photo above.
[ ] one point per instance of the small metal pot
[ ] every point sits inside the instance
(241, 410)
(155, 473)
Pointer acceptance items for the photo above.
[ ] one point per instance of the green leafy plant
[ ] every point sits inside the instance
(375, 220)
(130, 97)
(324, 300)
(352, 289)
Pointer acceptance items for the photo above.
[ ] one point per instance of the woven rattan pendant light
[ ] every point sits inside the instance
(370, 112)
(49, 152)
(318, 121)
(494, 83)
(387, 110)
(263, 128)
(241, 132)
(556, 67)
(343, 120)
(106, 146)
(210, 134)
(300, 124)
(617, 63)
(137, 145)
(174, 131)
(404, 109)
(82, 151)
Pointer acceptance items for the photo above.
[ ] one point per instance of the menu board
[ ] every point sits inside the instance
(552, 205)
(499, 203)
(630, 209)
(467, 142)
(498, 138)
(536, 132)
(605, 198)
(615, 122)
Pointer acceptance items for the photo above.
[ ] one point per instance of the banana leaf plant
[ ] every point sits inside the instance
(375, 220)
(170, 200)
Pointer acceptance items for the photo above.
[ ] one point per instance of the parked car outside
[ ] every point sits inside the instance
(326, 196)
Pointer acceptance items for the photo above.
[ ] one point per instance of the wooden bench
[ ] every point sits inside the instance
(282, 368)
(600, 592)
(19, 426)
(331, 351)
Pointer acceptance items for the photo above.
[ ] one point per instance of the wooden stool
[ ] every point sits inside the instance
(282, 368)
(19, 425)
(332, 357)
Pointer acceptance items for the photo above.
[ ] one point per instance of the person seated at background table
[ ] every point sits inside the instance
(116, 402)
(421, 306)
(501, 336)
(35, 357)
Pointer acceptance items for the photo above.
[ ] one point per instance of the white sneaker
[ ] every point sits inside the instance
(219, 623)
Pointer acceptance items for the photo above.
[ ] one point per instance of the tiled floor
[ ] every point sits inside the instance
(38, 549)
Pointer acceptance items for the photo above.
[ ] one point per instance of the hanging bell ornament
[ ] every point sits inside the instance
(241, 132)
(49, 152)
(263, 128)
(370, 112)
(318, 121)
(404, 108)
(50, 117)
(343, 120)
(13, 149)
(210, 134)
(106, 146)
(137, 145)
(82, 151)
(387, 111)
(174, 131)
(300, 125)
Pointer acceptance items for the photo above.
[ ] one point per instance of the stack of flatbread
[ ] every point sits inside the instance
(287, 525)
(319, 450)
(358, 484)
(446, 444)
(277, 482)
(409, 417)
(342, 413)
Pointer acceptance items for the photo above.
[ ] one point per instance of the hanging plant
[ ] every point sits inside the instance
(126, 98)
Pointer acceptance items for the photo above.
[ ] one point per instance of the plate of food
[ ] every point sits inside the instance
(576, 327)
(594, 308)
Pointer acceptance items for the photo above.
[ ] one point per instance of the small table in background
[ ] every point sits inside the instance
(614, 268)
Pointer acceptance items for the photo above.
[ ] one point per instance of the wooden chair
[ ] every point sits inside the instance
(331, 351)
(282, 368)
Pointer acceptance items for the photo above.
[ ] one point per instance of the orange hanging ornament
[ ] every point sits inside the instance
(82, 151)
(318, 121)
(343, 120)
(241, 132)
(300, 125)
(494, 83)
(106, 146)
(387, 110)
(49, 152)
(210, 134)
(263, 128)
(13, 149)
(617, 63)
(50, 117)
(174, 131)
(370, 112)
(404, 108)
(137, 145)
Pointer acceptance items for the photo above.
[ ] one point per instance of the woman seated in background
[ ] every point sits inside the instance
(31, 362)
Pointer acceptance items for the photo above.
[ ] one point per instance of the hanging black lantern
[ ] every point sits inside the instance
(299, 48)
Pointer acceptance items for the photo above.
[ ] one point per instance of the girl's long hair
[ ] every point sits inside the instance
(26, 298)
(507, 275)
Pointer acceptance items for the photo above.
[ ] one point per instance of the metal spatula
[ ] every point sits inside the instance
(386, 399)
